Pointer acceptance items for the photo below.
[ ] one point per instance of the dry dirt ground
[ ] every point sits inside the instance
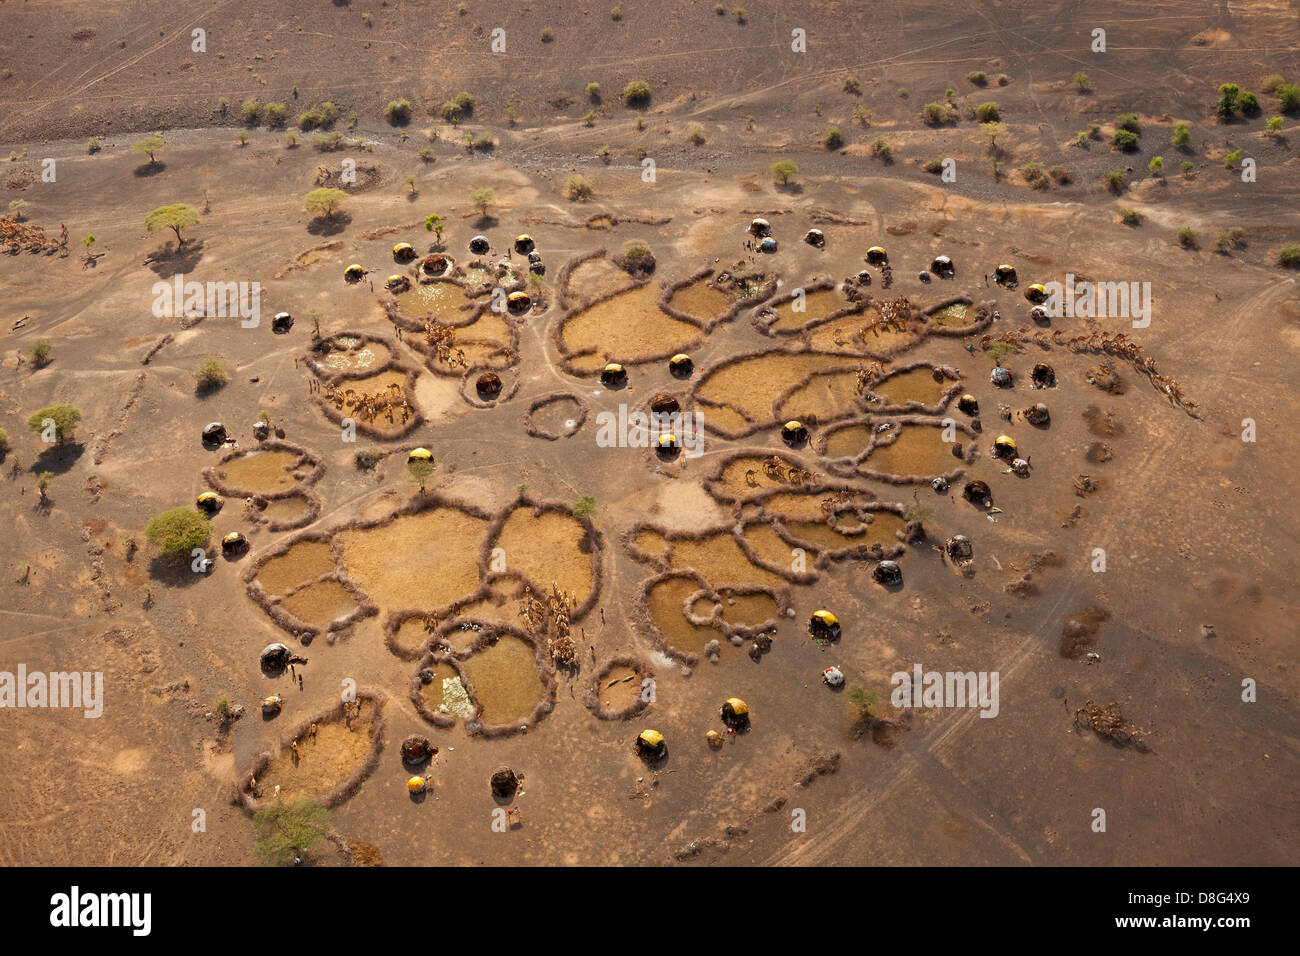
(1198, 526)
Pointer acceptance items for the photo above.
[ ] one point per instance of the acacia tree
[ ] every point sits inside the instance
(175, 217)
(325, 202)
(148, 146)
(784, 170)
(482, 199)
(64, 417)
(435, 224)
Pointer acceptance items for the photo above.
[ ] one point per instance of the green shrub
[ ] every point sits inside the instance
(329, 142)
(1128, 121)
(933, 166)
(1114, 180)
(398, 112)
(211, 375)
(1182, 135)
(988, 112)
(1288, 95)
(833, 139)
(276, 115)
(579, 188)
(977, 78)
(1188, 238)
(593, 92)
(1289, 256)
(636, 93)
(251, 112)
(1130, 217)
(179, 531)
(1125, 140)
(935, 114)
(41, 352)
(584, 507)
(1249, 104)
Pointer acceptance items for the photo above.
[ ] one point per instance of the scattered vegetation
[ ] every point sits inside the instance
(988, 112)
(1188, 238)
(833, 139)
(1288, 257)
(1130, 217)
(1080, 82)
(977, 78)
(1115, 180)
(584, 507)
(936, 114)
(1125, 140)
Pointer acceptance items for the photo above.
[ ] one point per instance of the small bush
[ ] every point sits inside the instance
(637, 252)
(1230, 160)
(1186, 166)
(636, 93)
(1081, 82)
(580, 189)
(425, 153)
(988, 112)
(833, 139)
(93, 145)
(584, 507)
(1288, 257)
(241, 137)
(1130, 217)
(1230, 239)
(1271, 82)
(1114, 180)
(977, 78)
(548, 35)
(1035, 175)
(1125, 140)
(1128, 121)
(1182, 135)
(251, 112)
(852, 85)
(1288, 95)
(593, 92)
(933, 166)
(398, 112)
(368, 457)
(1188, 238)
(1249, 104)
(616, 13)
(697, 137)
(211, 375)
(1157, 165)
(41, 352)
(882, 149)
(936, 114)
(1273, 124)
(329, 142)
(290, 140)
(276, 115)
(1062, 175)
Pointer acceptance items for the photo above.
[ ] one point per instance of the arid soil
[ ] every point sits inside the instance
(1197, 526)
